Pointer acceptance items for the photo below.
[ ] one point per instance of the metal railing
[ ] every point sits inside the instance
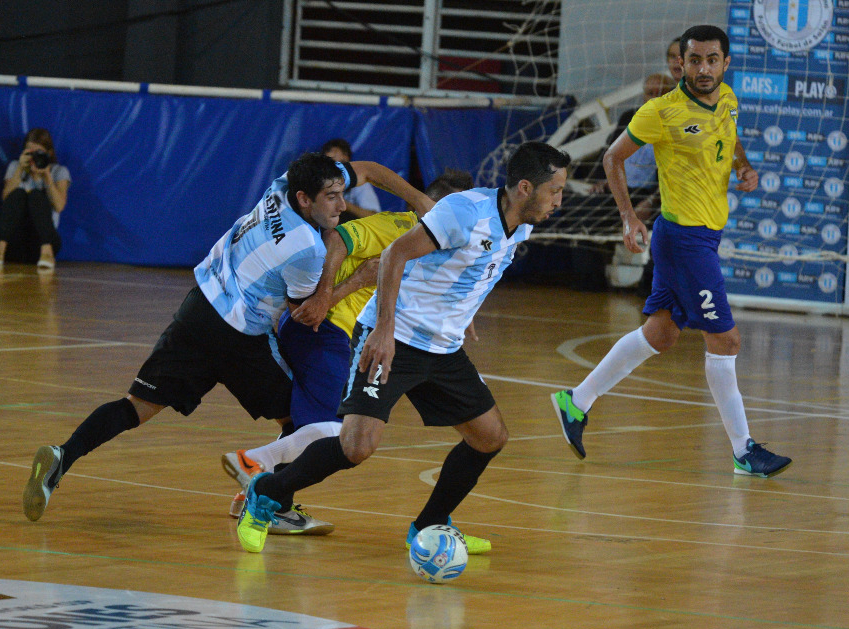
(417, 48)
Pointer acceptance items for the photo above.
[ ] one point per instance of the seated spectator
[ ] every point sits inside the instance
(360, 201)
(34, 193)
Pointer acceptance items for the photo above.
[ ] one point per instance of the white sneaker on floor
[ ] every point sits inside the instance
(298, 522)
(240, 468)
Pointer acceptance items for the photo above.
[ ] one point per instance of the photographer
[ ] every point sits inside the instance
(34, 193)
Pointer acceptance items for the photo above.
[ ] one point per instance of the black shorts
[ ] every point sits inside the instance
(446, 389)
(199, 350)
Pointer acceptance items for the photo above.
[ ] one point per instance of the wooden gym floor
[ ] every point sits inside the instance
(652, 530)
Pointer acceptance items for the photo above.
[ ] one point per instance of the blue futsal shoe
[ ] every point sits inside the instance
(758, 461)
(572, 421)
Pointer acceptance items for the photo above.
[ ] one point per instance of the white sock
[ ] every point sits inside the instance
(288, 448)
(722, 380)
(628, 353)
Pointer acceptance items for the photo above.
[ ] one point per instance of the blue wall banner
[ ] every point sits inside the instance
(789, 69)
(157, 179)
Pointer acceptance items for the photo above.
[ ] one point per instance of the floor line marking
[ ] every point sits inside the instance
(54, 347)
(427, 477)
(567, 349)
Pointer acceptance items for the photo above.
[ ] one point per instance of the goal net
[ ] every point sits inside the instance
(787, 240)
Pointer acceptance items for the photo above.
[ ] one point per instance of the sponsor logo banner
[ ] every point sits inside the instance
(793, 25)
(790, 73)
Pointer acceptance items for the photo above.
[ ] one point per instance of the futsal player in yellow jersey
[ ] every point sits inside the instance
(693, 130)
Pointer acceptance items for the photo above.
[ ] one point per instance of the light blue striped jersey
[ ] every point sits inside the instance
(268, 255)
(441, 291)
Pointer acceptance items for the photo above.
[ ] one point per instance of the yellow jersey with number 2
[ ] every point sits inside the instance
(693, 147)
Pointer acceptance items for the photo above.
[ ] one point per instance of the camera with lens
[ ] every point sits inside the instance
(40, 159)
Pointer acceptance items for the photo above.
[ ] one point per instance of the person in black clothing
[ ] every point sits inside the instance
(35, 191)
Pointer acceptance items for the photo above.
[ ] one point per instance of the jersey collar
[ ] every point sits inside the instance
(498, 201)
(690, 95)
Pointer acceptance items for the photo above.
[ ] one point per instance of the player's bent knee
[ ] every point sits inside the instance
(486, 443)
(723, 345)
(661, 339)
(360, 437)
(487, 433)
(144, 409)
(357, 452)
(493, 444)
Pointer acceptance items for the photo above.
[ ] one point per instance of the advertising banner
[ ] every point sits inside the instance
(789, 70)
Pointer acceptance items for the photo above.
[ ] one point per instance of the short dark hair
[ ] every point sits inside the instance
(338, 143)
(536, 162)
(452, 180)
(311, 172)
(704, 32)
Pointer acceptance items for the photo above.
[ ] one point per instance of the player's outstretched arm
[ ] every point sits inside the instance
(385, 179)
(614, 167)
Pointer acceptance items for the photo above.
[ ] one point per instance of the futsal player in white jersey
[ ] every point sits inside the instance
(224, 330)
(408, 340)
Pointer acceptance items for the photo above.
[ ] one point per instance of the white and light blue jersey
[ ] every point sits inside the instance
(268, 255)
(441, 291)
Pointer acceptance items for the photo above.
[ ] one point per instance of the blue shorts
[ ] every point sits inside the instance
(687, 277)
(319, 363)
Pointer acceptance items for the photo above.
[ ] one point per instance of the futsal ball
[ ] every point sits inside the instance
(438, 553)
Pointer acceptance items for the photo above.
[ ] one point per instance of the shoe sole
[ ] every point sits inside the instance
(235, 471)
(737, 470)
(563, 428)
(35, 501)
(322, 529)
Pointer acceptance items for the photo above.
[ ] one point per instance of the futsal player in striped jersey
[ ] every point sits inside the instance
(409, 340)
(315, 344)
(270, 260)
(694, 133)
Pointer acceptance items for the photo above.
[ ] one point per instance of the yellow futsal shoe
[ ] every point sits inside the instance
(475, 545)
(256, 517)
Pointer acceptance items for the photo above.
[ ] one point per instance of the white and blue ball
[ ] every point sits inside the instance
(438, 553)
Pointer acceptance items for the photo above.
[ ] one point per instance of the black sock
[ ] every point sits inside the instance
(290, 499)
(319, 460)
(460, 472)
(105, 423)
